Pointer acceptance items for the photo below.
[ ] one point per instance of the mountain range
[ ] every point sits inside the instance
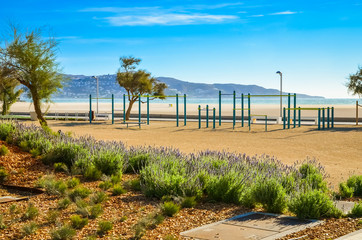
(80, 86)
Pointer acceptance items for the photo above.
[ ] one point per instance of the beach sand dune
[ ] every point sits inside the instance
(338, 149)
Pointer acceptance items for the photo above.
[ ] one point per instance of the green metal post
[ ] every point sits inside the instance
(323, 118)
(177, 110)
(234, 106)
(199, 116)
(295, 111)
(284, 118)
(213, 118)
(288, 110)
(148, 109)
(319, 119)
(139, 109)
(242, 110)
(184, 109)
(124, 107)
(90, 108)
(266, 123)
(332, 117)
(328, 113)
(207, 116)
(112, 109)
(299, 116)
(219, 108)
(249, 118)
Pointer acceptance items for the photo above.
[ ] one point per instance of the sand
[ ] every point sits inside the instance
(338, 149)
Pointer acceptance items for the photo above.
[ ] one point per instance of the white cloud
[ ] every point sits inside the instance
(259, 15)
(118, 9)
(168, 19)
(283, 13)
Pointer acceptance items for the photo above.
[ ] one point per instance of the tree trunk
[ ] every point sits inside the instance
(4, 107)
(36, 102)
(128, 112)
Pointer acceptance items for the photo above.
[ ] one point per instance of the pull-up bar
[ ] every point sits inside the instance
(207, 116)
(90, 107)
(330, 116)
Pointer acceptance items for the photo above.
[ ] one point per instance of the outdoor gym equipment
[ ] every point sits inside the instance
(321, 120)
(148, 107)
(90, 107)
(207, 116)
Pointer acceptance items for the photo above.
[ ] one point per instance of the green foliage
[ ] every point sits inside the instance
(35, 152)
(105, 185)
(6, 129)
(137, 82)
(98, 197)
(116, 178)
(170, 208)
(52, 185)
(313, 204)
(79, 192)
(92, 173)
(33, 58)
(31, 212)
(312, 177)
(8, 88)
(169, 237)
(271, 194)
(53, 216)
(123, 218)
(29, 228)
(137, 162)
(118, 190)
(95, 211)
(67, 153)
(134, 184)
(64, 203)
(188, 202)
(355, 83)
(108, 162)
(65, 232)
(104, 227)
(3, 150)
(355, 182)
(78, 222)
(13, 209)
(3, 174)
(2, 224)
(345, 191)
(357, 210)
(60, 167)
(72, 183)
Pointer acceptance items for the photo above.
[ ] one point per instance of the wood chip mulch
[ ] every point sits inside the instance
(124, 210)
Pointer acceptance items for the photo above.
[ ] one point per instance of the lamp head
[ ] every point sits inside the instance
(278, 72)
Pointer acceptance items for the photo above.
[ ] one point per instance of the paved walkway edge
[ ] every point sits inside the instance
(357, 235)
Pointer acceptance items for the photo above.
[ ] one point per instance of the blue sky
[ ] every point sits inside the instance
(316, 44)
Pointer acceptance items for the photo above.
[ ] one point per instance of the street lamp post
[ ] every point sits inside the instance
(281, 92)
(96, 78)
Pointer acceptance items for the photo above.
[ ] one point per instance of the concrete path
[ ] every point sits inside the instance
(352, 236)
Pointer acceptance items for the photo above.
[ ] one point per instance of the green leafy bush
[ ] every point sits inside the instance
(170, 208)
(116, 178)
(313, 204)
(6, 129)
(67, 153)
(91, 173)
(52, 185)
(355, 182)
(137, 162)
(61, 167)
(357, 210)
(312, 177)
(29, 228)
(79, 192)
(105, 185)
(134, 184)
(108, 162)
(78, 222)
(3, 174)
(72, 183)
(65, 232)
(271, 194)
(188, 202)
(345, 191)
(53, 216)
(64, 203)
(118, 190)
(104, 227)
(95, 211)
(31, 212)
(98, 197)
(3, 150)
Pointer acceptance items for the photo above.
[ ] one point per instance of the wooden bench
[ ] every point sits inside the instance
(138, 123)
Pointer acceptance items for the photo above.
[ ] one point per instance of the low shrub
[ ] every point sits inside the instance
(98, 197)
(188, 202)
(116, 178)
(118, 190)
(134, 184)
(52, 186)
(53, 216)
(170, 208)
(3, 174)
(2, 224)
(355, 182)
(31, 212)
(104, 227)
(345, 191)
(91, 173)
(6, 129)
(64, 203)
(95, 211)
(65, 152)
(357, 210)
(64, 232)
(137, 162)
(313, 204)
(79, 192)
(3, 150)
(78, 222)
(312, 176)
(72, 183)
(29, 229)
(105, 185)
(108, 162)
(271, 194)
(61, 167)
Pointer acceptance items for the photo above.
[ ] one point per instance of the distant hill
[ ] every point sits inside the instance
(81, 86)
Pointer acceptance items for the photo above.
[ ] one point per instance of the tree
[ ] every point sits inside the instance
(137, 82)
(355, 83)
(8, 92)
(33, 58)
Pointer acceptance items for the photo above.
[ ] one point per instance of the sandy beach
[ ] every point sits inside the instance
(346, 111)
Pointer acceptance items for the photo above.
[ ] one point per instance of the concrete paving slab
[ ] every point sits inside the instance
(357, 235)
(344, 206)
(253, 225)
